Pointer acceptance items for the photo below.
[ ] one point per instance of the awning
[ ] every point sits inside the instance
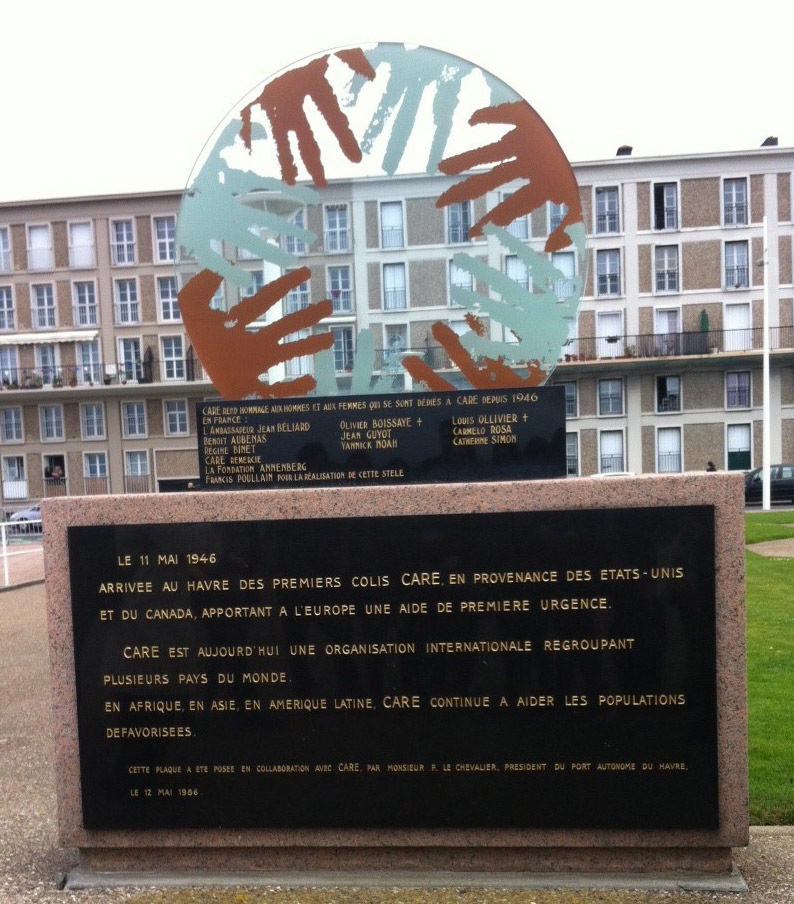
(38, 338)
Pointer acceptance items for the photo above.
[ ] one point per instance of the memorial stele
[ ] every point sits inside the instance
(389, 634)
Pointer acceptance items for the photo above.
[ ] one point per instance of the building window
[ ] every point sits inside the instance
(9, 364)
(520, 226)
(298, 365)
(392, 231)
(666, 268)
(5, 250)
(126, 301)
(11, 425)
(92, 420)
(122, 242)
(95, 466)
(15, 486)
(516, 269)
(734, 202)
(337, 228)
(43, 307)
(610, 397)
(737, 271)
(564, 263)
(737, 389)
(458, 222)
(395, 345)
(164, 233)
(610, 451)
(610, 341)
(46, 362)
(665, 206)
(7, 320)
(298, 298)
(51, 422)
(668, 450)
(133, 419)
(84, 306)
(39, 248)
(668, 394)
(173, 358)
(459, 280)
(738, 333)
(130, 359)
(557, 213)
(290, 243)
(339, 289)
(136, 472)
(89, 366)
(608, 272)
(607, 210)
(257, 282)
(739, 445)
(168, 296)
(571, 400)
(343, 348)
(176, 423)
(394, 293)
(572, 454)
(81, 246)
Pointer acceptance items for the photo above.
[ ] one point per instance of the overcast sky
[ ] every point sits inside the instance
(102, 97)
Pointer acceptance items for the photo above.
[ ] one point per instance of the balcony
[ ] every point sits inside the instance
(665, 345)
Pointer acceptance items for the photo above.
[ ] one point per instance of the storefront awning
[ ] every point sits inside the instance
(38, 338)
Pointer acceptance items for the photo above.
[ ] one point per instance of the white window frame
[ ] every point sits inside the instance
(344, 350)
(172, 365)
(93, 423)
(459, 222)
(391, 235)
(606, 216)
(611, 396)
(669, 214)
(101, 471)
(89, 361)
(130, 369)
(574, 394)
(737, 275)
(670, 271)
(9, 364)
(729, 428)
(298, 298)
(123, 248)
(43, 317)
(739, 389)
(137, 455)
(164, 245)
(290, 243)
(173, 418)
(6, 262)
(340, 287)
(8, 318)
(81, 254)
(133, 415)
(395, 291)
(601, 435)
(671, 407)
(669, 432)
(576, 471)
(168, 305)
(518, 228)
(127, 311)
(735, 213)
(40, 256)
(612, 274)
(12, 425)
(51, 424)
(47, 357)
(84, 312)
(337, 235)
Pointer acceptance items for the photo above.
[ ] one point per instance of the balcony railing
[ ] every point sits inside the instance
(15, 489)
(663, 345)
(669, 463)
(391, 237)
(95, 486)
(137, 483)
(611, 463)
(55, 486)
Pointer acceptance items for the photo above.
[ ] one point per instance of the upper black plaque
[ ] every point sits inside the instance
(515, 669)
(380, 439)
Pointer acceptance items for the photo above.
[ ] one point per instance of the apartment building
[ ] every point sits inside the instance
(662, 371)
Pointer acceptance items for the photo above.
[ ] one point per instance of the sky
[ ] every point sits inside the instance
(105, 98)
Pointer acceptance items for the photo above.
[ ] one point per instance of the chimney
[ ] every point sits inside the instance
(770, 142)
(624, 150)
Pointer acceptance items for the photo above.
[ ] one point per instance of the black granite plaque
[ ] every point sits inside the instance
(551, 669)
(383, 439)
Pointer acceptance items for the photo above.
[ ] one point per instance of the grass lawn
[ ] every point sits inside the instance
(770, 673)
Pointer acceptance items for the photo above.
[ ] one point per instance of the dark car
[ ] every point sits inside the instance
(781, 484)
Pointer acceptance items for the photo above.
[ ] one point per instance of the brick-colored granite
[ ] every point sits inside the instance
(585, 851)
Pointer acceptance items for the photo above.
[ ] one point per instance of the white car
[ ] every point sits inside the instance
(26, 521)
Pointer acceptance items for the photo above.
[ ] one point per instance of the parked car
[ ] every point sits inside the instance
(26, 521)
(781, 484)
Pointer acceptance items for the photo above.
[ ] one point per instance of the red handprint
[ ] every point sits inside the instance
(493, 375)
(282, 100)
(233, 356)
(528, 151)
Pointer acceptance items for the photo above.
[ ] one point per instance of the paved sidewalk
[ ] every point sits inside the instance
(32, 864)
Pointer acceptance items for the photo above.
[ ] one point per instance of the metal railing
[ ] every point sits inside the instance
(17, 539)
(663, 345)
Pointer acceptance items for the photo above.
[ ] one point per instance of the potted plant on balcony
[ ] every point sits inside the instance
(57, 381)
